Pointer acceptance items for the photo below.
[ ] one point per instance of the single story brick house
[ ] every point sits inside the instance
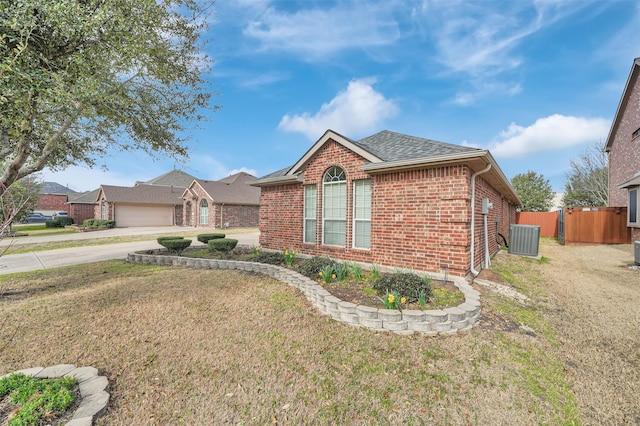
(229, 202)
(140, 205)
(389, 199)
(623, 146)
(82, 205)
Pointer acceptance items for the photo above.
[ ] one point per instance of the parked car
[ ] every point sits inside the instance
(56, 214)
(35, 217)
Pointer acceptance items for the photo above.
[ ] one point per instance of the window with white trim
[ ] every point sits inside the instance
(632, 210)
(362, 214)
(334, 207)
(310, 196)
(204, 212)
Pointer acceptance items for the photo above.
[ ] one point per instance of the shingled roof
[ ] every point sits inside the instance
(143, 194)
(392, 146)
(233, 189)
(55, 188)
(174, 177)
(88, 197)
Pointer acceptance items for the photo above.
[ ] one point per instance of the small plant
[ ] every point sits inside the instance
(289, 257)
(340, 271)
(222, 245)
(176, 246)
(423, 298)
(38, 398)
(55, 223)
(408, 285)
(174, 237)
(375, 273)
(356, 270)
(327, 274)
(98, 224)
(270, 257)
(257, 251)
(391, 300)
(311, 267)
(204, 238)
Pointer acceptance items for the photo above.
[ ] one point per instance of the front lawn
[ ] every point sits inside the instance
(183, 346)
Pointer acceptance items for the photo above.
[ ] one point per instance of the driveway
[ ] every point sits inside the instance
(47, 259)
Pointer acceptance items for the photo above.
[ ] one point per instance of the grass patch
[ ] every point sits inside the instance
(215, 347)
(39, 400)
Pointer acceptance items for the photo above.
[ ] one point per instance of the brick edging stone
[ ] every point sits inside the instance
(447, 321)
(92, 389)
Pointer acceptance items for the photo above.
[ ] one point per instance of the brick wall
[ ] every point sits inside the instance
(81, 212)
(234, 215)
(420, 218)
(55, 202)
(624, 158)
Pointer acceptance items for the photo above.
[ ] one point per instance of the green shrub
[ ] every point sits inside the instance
(172, 237)
(403, 284)
(98, 224)
(222, 245)
(64, 220)
(55, 223)
(311, 267)
(176, 245)
(272, 258)
(204, 238)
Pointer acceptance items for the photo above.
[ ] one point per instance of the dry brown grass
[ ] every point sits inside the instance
(186, 346)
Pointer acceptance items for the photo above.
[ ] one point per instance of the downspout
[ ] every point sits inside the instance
(473, 218)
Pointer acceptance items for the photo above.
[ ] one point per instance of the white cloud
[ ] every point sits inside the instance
(355, 110)
(549, 134)
(316, 33)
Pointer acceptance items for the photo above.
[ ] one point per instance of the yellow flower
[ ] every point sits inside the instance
(333, 276)
(403, 300)
(320, 273)
(286, 252)
(391, 298)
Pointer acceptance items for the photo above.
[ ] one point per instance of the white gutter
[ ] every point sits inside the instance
(473, 218)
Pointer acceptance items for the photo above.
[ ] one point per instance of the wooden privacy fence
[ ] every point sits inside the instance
(547, 221)
(581, 225)
(596, 225)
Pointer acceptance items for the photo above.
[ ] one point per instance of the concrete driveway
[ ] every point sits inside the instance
(47, 259)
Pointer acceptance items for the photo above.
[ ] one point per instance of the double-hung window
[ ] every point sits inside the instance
(362, 214)
(334, 207)
(310, 194)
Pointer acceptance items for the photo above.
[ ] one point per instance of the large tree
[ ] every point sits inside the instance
(534, 191)
(79, 78)
(587, 181)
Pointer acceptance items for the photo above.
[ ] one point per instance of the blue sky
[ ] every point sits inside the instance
(535, 82)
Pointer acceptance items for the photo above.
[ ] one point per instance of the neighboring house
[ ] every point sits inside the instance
(82, 205)
(141, 205)
(391, 200)
(623, 146)
(53, 198)
(557, 202)
(229, 202)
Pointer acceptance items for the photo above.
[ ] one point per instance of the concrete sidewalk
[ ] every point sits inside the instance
(47, 259)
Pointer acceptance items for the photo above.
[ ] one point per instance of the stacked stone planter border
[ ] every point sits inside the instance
(447, 321)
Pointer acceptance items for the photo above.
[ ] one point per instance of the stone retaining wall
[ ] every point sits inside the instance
(447, 321)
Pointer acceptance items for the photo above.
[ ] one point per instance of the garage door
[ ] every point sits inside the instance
(143, 215)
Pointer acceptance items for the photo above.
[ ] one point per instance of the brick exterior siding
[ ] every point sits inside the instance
(624, 155)
(420, 218)
(246, 216)
(57, 202)
(81, 212)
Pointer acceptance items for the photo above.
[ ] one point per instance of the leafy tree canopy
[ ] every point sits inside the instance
(81, 77)
(534, 191)
(587, 182)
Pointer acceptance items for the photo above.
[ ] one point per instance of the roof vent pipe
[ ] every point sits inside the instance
(473, 218)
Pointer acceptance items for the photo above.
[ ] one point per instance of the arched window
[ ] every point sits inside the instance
(334, 207)
(204, 212)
